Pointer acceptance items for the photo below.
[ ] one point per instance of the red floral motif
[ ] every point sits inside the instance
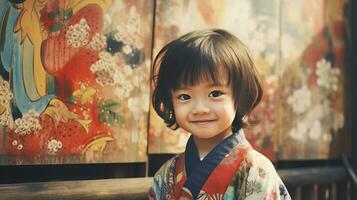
(71, 68)
(57, 52)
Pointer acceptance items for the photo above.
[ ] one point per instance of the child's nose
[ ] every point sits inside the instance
(200, 107)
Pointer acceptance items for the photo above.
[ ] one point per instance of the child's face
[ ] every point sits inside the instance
(205, 110)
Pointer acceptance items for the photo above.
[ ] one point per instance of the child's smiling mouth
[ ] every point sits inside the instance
(202, 121)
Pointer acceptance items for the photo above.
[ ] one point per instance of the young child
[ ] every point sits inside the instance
(207, 84)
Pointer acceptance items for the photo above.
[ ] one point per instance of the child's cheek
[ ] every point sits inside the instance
(181, 111)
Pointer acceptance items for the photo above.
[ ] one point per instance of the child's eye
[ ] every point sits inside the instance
(184, 97)
(215, 93)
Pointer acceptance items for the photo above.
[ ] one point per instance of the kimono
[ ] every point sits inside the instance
(232, 170)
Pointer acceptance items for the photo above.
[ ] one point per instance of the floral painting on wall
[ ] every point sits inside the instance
(74, 83)
(255, 23)
(313, 51)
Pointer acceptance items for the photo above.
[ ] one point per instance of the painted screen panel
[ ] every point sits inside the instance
(252, 22)
(74, 81)
(313, 52)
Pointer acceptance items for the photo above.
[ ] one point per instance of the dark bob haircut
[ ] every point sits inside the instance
(203, 56)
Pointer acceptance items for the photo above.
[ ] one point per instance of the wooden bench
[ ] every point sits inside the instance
(104, 189)
(317, 183)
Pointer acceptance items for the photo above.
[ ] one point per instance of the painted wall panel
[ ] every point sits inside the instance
(313, 52)
(75, 81)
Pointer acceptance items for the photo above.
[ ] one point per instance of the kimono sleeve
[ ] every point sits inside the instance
(163, 183)
(155, 191)
(262, 181)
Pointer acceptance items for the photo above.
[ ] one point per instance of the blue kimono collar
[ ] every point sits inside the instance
(198, 171)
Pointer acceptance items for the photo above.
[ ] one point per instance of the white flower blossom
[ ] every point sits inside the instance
(20, 147)
(105, 55)
(315, 113)
(139, 80)
(127, 85)
(53, 146)
(326, 75)
(127, 50)
(124, 89)
(121, 92)
(128, 71)
(118, 77)
(105, 78)
(5, 97)
(315, 130)
(107, 20)
(106, 69)
(77, 34)
(5, 93)
(300, 100)
(134, 106)
(299, 132)
(28, 123)
(98, 42)
(129, 30)
(5, 118)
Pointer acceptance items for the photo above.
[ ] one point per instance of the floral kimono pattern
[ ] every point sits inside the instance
(232, 170)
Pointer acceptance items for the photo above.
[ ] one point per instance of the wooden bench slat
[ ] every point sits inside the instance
(130, 188)
(313, 175)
